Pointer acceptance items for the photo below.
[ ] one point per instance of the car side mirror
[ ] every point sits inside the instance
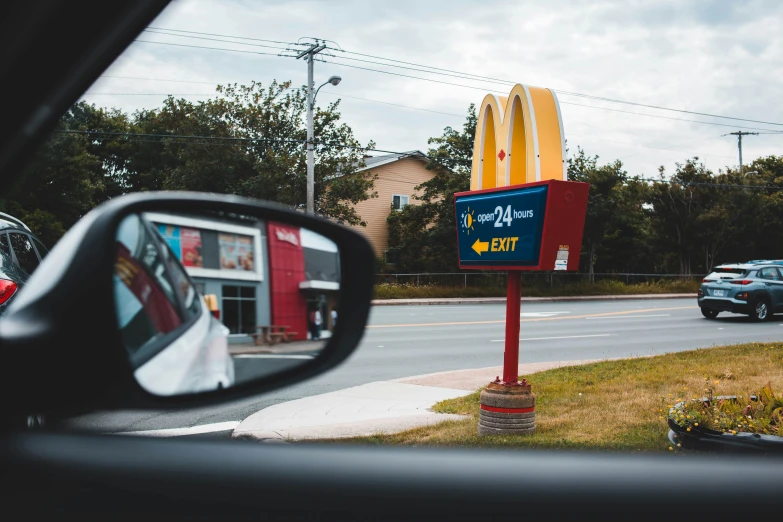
(173, 298)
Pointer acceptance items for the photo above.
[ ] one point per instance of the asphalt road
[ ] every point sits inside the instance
(403, 341)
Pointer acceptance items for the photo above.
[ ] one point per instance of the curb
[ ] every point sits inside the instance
(500, 300)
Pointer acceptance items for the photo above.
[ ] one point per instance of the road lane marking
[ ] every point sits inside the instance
(503, 321)
(541, 314)
(271, 356)
(179, 432)
(561, 337)
(632, 316)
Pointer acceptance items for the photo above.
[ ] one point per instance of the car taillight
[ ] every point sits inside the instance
(7, 289)
(701, 293)
(705, 280)
(216, 314)
(741, 295)
(742, 281)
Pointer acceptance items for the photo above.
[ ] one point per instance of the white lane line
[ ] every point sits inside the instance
(561, 337)
(271, 356)
(629, 316)
(179, 432)
(541, 314)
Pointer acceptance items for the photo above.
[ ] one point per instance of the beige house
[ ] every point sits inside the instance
(398, 174)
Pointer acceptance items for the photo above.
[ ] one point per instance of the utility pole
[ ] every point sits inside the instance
(309, 54)
(739, 135)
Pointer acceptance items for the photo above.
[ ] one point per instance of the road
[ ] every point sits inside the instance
(402, 341)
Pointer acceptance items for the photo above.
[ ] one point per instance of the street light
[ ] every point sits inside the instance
(334, 80)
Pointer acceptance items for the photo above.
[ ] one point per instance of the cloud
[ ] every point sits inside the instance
(710, 56)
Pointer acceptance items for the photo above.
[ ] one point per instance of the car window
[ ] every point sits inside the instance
(25, 252)
(769, 273)
(42, 250)
(147, 308)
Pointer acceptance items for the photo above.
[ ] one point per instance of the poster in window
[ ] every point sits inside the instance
(171, 234)
(236, 252)
(191, 247)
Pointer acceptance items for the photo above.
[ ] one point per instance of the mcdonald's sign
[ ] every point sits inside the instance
(521, 212)
(519, 139)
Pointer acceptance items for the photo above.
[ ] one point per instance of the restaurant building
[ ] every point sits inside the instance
(262, 273)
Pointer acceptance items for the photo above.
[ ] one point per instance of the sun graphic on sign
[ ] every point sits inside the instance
(468, 220)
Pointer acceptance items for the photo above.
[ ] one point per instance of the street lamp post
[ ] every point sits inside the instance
(334, 80)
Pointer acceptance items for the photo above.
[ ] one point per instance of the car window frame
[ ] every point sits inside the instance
(35, 241)
(151, 349)
(773, 269)
(162, 245)
(13, 251)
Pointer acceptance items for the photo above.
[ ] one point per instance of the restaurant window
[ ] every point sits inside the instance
(239, 309)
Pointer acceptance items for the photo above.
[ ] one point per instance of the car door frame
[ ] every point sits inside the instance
(774, 288)
(13, 251)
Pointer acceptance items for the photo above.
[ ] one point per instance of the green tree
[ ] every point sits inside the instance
(255, 148)
(615, 223)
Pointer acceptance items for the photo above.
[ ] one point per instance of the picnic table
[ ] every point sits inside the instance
(273, 334)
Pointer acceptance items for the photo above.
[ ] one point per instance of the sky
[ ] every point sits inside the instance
(714, 57)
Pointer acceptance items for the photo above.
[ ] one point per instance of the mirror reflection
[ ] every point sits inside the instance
(207, 301)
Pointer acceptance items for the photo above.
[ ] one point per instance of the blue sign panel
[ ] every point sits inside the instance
(501, 228)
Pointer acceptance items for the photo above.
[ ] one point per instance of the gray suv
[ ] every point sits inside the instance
(754, 289)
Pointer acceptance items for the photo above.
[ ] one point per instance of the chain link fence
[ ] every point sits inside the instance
(535, 279)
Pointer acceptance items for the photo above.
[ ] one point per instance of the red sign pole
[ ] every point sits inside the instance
(511, 355)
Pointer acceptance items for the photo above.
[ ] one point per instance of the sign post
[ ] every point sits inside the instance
(520, 214)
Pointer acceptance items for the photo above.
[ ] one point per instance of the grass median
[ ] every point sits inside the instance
(406, 291)
(612, 405)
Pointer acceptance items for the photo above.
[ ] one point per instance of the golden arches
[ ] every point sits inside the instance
(519, 139)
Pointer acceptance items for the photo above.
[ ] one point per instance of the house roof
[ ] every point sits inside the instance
(377, 161)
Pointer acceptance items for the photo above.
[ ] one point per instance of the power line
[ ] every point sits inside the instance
(219, 40)
(669, 117)
(222, 35)
(210, 48)
(485, 79)
(155, 79)
(394, 104)
(220, 138)
(700, 122)
(151, 93)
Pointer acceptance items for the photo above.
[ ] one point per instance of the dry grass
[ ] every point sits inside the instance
(614, 405)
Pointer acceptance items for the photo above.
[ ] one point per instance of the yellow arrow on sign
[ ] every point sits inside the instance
(480, 246)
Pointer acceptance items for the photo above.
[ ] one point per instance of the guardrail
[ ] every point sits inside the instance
(539, 279)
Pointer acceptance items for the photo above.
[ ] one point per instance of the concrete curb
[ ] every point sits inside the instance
(382, 407)
(500, 300)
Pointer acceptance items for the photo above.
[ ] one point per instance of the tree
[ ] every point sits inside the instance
(70, 174)
(615, 220)
(255, 148)
(423, 236)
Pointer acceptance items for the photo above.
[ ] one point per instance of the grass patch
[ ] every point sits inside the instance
(406, 291)
(612, 405)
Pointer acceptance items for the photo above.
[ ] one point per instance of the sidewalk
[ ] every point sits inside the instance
(281, 347)
(373, 408)
(497, 300)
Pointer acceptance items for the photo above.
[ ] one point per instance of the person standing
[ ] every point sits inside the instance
(318, 322)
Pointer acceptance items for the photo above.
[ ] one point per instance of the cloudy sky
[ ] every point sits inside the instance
(714, 57)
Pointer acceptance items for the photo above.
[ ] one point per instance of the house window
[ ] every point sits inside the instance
(399, 202)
